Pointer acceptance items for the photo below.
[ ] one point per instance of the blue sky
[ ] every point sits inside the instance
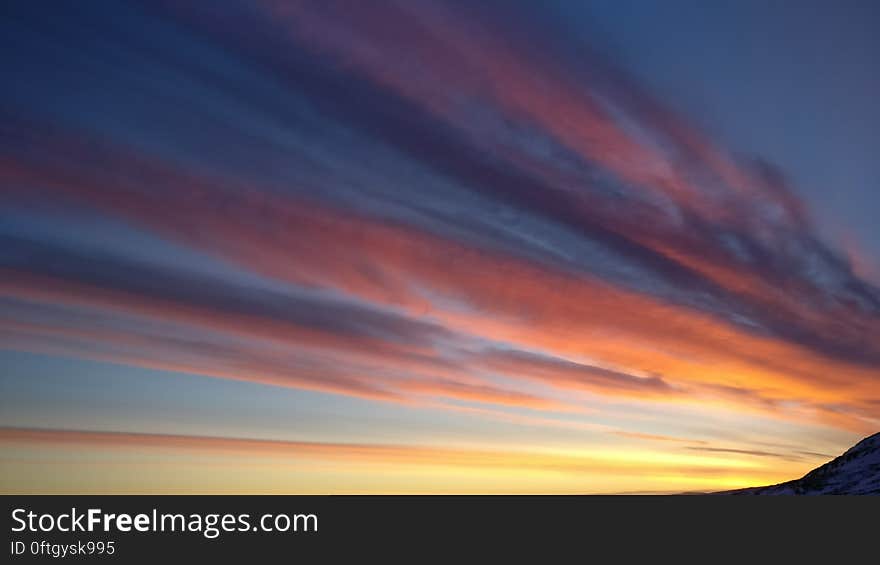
(591, 247)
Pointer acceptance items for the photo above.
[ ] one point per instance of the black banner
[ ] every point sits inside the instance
(149, 529)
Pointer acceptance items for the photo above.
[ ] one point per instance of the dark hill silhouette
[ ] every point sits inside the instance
(855, 472)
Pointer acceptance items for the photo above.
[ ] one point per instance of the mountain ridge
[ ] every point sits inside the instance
(856, 471)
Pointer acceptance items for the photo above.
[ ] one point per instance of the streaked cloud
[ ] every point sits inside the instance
(422, 205)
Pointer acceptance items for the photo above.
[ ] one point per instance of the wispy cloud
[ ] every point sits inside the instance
(439, 214)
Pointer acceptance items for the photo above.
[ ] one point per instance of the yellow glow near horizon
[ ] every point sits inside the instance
(73, 462)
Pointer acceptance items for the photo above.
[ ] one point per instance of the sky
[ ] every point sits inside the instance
(436, 247)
